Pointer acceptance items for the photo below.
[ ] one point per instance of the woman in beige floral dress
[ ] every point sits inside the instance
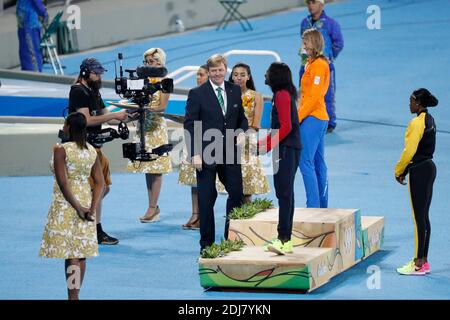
(188, 175)
(70, 232)
(155, 136)
(253, 178)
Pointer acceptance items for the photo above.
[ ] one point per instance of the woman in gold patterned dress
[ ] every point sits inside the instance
(155, 136)
(253, 178)
(70, 231)
(188, 175)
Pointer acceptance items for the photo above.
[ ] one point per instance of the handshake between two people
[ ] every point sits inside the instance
(243, 141)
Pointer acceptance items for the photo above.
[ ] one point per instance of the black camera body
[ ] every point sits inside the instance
(97, 139)
(133, 152)
(144, 83)
(139, 89)
(108, 134)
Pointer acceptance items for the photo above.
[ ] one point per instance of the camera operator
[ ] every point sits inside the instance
(85, 98)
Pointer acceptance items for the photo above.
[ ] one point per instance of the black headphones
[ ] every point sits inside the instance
(84, 72)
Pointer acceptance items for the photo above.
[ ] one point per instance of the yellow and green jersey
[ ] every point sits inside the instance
(420, 142)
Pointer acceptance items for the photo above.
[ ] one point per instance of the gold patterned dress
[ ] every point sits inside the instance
(254, 180)
(187, 175)
(66, 235)
(155, 136)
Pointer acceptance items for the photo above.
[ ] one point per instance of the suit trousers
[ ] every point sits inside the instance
(231, 177)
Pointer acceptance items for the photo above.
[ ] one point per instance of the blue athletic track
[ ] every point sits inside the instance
(376, 73)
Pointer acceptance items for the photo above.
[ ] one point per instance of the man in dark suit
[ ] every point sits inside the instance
(214, 116)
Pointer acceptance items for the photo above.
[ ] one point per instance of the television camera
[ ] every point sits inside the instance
(139, 90)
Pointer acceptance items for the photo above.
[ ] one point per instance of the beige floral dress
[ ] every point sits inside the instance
(187, 175)
(155, 136)
(66, 235)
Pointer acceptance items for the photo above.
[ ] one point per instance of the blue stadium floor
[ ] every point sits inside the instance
(376, 73)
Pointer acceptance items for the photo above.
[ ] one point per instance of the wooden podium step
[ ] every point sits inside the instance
(326, 243)
(372, 234)
(253, 268)
(339, 229)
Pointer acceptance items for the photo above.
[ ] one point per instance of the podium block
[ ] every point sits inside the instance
(252, 267)
(373, 234)
(339, 229)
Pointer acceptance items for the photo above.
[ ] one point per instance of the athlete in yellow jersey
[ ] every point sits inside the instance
(416, 160)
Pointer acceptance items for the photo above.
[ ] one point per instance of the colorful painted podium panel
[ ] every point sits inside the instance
(339, 229)
(252, 267)
(373, 234)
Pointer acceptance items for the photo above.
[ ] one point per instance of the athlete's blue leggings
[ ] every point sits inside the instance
(312, 162)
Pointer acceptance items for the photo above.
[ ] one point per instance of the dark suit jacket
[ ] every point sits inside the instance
(202, 105)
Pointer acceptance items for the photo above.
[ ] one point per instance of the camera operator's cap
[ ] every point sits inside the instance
(93, 65)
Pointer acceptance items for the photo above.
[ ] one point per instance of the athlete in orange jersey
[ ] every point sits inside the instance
(313, 117)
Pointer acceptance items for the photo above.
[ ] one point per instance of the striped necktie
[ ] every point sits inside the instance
(220, 98)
